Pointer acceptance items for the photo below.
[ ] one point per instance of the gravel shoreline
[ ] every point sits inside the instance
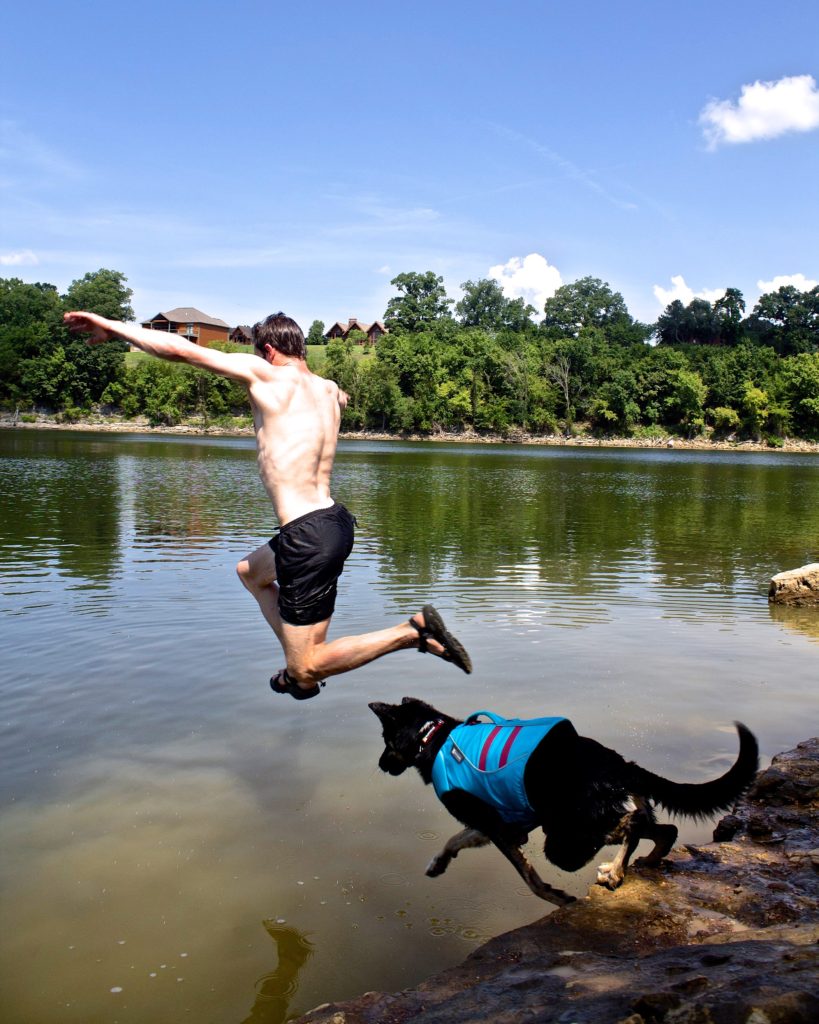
(105, 424)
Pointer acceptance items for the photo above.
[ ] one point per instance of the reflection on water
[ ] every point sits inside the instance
(804, 621)
(275, 991)
(157, 802)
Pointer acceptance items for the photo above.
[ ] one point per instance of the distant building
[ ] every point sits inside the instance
(242, 335)
(342, 329)
(191, 323)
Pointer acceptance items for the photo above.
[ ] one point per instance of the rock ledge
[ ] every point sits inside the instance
(724, 933)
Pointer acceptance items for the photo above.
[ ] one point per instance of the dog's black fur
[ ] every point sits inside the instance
(585, 796)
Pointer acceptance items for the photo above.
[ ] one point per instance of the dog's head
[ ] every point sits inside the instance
(401, 726)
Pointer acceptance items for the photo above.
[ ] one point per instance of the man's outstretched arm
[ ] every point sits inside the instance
(172, 347)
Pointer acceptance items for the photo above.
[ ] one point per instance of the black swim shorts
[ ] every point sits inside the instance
(310, 554)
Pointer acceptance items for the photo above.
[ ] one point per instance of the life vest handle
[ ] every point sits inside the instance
(497, 719)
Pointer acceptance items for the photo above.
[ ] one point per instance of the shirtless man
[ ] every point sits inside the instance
(293, 577)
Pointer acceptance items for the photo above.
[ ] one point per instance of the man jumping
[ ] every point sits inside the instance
(293, 577)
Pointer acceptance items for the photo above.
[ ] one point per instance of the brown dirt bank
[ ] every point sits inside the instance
(110, 424)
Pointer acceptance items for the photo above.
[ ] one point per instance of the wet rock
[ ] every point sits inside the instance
(798, 587)
(724, 933)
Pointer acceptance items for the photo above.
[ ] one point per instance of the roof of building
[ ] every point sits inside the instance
(189, 315)
(354, 324)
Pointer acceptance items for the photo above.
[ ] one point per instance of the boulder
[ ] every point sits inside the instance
(722, 933)
(798, 587)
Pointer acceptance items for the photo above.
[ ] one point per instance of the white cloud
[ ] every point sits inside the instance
(530, 278)
(681, 291)
(763, 111)
(26, 258)
(799, 281)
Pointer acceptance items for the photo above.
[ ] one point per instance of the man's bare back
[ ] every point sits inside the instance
(293, 577)
(296, 415)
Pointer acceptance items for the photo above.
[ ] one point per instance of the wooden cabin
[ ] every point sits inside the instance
(342, 329)
(242, 335)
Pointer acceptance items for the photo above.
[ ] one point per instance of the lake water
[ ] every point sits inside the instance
(180, 843)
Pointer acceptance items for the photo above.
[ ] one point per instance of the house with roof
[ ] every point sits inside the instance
(342, 329)
(191, 323)
(242, 335)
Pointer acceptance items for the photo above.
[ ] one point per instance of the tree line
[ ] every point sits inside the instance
(482, 363)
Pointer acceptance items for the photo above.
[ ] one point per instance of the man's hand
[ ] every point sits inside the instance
(97, 327)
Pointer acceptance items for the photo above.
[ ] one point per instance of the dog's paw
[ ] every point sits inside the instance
(560, 898)
(648, 862)
(437, 866)
(608, 876)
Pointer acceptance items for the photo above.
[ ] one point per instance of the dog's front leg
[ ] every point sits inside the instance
(467, 839)
(484, 820)
(540, 888)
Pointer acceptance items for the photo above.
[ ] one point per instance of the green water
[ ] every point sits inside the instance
(179, 843)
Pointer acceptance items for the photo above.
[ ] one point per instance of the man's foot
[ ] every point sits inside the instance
(283, 682)
(434, 629)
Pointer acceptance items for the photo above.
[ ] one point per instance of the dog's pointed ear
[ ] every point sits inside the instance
(384, 711)
(410, 700)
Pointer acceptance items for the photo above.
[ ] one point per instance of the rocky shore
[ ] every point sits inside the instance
(724, 933)
(111, 424)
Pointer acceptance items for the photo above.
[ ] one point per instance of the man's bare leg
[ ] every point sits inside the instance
(308, 656)
(258, 575)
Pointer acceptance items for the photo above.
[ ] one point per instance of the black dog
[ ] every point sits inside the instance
(583, 795)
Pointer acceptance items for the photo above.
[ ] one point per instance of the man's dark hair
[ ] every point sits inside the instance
(281, 333)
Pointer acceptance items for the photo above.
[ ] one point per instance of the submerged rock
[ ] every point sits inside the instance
(798, 587)
(723, 933)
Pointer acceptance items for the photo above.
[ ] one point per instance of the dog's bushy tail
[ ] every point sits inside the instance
(700, 800)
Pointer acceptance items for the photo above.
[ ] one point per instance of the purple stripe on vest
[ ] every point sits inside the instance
(490, 739)
(508, 746)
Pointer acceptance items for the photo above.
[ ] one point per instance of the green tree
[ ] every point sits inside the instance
(656, 374)
(788, 320)
(105, 292)
(686, 400)
(341, 366)
(381, 398)
(729, 311)
(694, 324)
(30, 317)
(315, 335)
(421, 301)
(484, 305)
(575, 366)
(587, 302)
(616, 405)
(800, 377)
(672, 325)
(50, 378)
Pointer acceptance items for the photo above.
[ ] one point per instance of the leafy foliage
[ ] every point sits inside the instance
(315, 335)
(489, 368)
(421, 301)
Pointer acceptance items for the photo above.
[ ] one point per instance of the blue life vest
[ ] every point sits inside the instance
(487, 759)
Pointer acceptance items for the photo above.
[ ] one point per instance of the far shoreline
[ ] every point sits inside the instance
(140, 425)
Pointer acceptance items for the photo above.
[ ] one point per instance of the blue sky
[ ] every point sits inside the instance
(255, 156)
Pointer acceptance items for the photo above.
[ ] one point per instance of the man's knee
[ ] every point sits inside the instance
(251, 576)
(243, 572)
